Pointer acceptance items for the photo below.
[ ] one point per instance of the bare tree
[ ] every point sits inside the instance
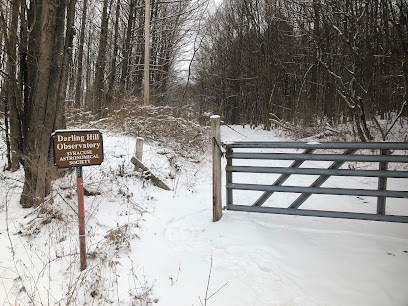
(11, 90)
(80, 56)
(101, 62)
(36, 85)
(305, 62)
(112, 72)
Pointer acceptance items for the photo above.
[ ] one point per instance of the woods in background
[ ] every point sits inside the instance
(83, 53)
(296, 63)
(304, 62)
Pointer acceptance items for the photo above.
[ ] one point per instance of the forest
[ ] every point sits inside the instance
(291, 63)
(305, 62)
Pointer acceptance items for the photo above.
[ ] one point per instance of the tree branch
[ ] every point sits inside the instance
(396, 118)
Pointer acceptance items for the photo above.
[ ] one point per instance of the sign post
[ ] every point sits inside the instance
(81, 215)
(76, 149)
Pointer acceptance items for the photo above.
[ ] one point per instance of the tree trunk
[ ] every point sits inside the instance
(42, 111)
(112, 75)
(127, 48)
(69, 36)
(78, 87)
(100, 63)
(24, 73)
(3, 99)
(13, 95)
(313, 108)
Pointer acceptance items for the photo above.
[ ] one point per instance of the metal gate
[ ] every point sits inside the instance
(338, 154)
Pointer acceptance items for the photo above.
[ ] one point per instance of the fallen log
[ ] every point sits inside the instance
(148, 174)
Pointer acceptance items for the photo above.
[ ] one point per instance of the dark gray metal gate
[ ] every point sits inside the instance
(381, 153)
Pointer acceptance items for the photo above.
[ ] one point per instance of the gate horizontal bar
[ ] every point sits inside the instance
(320, 157)
(318, 171)
(319, 145)
(319, 213)
(321, 190)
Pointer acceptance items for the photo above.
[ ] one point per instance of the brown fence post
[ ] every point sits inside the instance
(216, 151)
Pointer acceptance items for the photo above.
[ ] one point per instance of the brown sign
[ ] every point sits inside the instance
(77, 148)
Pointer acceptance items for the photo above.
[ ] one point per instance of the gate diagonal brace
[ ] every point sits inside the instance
(319, 182)
(296, 164)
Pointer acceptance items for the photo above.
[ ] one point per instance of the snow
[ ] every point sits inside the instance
(74, 131)
(148, 246)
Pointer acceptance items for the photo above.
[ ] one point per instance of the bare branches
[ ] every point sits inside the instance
(321, 59)
(386, 132)
(7, 227)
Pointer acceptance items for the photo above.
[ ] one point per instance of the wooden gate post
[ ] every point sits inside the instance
(216, 152)
(382, 184)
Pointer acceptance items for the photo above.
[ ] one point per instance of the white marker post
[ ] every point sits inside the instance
(139, 148)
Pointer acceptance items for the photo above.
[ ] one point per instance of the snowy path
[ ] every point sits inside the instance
(257, 259)
(268, 259)
(272, 260)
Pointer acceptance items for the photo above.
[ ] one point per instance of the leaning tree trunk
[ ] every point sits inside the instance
(361, 122)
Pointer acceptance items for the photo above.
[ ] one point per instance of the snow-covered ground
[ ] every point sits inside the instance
(148, 246)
